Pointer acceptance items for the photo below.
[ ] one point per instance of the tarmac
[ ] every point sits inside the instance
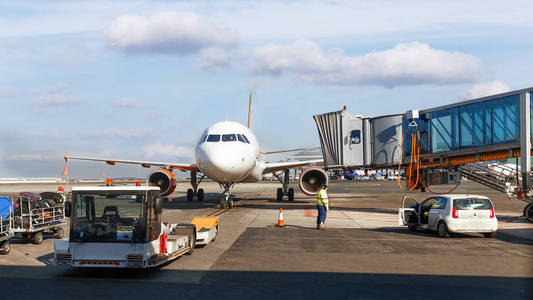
(362, 254)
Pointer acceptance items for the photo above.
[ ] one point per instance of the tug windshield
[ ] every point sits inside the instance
(109, 217)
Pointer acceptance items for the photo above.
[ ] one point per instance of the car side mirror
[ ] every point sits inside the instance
(68, 209)
(158, 208)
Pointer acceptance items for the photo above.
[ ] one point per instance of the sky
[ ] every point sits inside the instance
(142, 79)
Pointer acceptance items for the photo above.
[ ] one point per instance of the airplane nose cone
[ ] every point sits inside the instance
(230, 167)
(227, 168)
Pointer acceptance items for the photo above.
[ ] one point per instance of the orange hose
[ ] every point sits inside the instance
(400, 164)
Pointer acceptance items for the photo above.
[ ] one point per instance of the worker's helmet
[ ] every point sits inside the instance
(323, 186)
(60, 189)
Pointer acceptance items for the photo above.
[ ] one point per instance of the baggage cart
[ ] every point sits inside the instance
(6, 224)
(30, 221)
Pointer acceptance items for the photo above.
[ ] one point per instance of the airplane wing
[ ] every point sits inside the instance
(145, 164)
(283, 151)
(279, 166)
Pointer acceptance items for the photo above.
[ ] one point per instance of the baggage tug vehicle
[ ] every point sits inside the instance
(120, 226)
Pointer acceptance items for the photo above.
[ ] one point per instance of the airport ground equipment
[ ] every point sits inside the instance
(120, 227)
(478, 139)
(452, 213)
(6, 224)
(207, 229)
(35, 216)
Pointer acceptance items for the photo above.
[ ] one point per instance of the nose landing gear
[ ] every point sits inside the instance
(285, 190)
(195, 182)
(226, 200)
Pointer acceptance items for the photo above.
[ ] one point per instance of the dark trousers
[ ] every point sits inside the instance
(321, 218)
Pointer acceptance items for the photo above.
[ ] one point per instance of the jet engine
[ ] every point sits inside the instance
(164, 179)
(311, 179)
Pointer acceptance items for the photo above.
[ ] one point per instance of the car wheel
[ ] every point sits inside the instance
(411, 227)
(489, 234)
(6, 247)
(37, 238)
(442, 230)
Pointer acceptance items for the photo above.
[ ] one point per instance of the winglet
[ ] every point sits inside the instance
(250, 112)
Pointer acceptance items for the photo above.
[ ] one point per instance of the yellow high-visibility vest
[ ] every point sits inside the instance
(322, 198)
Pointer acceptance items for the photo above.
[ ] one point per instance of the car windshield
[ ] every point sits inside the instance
(213, 138)
(108, 217)
(472, 203)
(229, 138)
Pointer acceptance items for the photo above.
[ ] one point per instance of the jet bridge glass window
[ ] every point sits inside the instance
(355, 137)
(445, 130)
(213, 138)
(229, 138)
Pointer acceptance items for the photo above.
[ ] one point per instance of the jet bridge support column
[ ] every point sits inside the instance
(525, 140)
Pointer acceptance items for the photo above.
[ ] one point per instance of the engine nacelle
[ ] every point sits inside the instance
(164, 179)
(311, 179)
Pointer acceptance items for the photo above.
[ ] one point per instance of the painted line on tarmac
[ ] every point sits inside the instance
(223, 210)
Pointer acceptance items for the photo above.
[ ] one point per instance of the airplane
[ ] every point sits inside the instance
(229, 152)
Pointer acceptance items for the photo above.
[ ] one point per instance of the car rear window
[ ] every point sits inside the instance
(472, 203)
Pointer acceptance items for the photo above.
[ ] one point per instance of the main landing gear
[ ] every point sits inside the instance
(226, 200)
(285, 191)
(199, 193)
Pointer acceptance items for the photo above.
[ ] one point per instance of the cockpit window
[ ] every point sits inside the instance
(202, 139)
(240, 138)
(229, 138)
(246, 139)
(213, 138)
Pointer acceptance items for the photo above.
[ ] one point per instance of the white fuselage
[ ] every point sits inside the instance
(228, 152)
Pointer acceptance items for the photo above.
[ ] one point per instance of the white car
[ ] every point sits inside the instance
(461, 213)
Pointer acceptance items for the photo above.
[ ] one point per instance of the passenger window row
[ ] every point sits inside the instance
(213, 138)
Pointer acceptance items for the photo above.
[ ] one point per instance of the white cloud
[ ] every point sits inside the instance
(167, 151)
(120, 133)
(215, 60)
(485, 89)
(167, 32)
(405, 64)
(56, 99)
(128, 103)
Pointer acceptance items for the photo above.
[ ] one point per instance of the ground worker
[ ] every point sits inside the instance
(322, 206)
(61, 191)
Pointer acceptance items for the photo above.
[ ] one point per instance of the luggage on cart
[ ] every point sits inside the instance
(37, 214)
(6, 224)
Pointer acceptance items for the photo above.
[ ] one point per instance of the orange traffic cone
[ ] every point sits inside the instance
(281, 223)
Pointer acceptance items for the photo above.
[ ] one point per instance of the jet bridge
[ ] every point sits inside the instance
(447, 140)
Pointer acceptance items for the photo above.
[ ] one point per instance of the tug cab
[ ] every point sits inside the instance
(120, 226)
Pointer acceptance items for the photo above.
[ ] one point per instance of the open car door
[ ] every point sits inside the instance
(408, 212)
